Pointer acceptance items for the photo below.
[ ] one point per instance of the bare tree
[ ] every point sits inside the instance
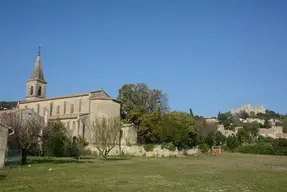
(26, 130)
(105, 133)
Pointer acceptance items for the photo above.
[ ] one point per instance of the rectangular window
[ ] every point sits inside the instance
(84, 130)
(79, 128)
(58, 110)
(64, 107)
(44, 111)
(72, 108)
(51, 109)
(80, 105)
(38, 108)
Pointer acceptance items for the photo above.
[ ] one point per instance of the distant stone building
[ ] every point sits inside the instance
(274, 132)
(226, 132)
(248, 108)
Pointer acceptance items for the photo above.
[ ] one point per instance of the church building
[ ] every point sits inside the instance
(75, 111)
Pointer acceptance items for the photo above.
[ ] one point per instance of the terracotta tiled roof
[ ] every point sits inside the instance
(99, 94)
(9, 111)
(266, 131)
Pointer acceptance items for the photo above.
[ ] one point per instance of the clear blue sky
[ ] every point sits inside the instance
(207, 55)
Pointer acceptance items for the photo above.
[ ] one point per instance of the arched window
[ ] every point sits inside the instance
(31, 90)
(58, 110)
(40, 91)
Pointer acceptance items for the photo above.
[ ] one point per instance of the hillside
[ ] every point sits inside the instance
(7, 105)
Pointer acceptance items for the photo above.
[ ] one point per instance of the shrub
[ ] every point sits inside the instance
(168, 146)
(281, 142)
(203, 147)
(256, 149)
(280, 146)
(232, 142)
(148, 147)
(55, 141)
(225, 148)
(81, 143)
(262, 139)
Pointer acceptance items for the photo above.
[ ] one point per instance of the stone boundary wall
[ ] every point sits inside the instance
(137, 150)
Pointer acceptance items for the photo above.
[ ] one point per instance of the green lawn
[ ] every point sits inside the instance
(229, 172)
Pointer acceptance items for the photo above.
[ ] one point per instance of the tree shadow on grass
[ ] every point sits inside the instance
(87, 157)
(2, 176)
(116, 158)
(56, 161)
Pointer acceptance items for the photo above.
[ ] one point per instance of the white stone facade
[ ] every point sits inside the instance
(274, 132)
(248, 108)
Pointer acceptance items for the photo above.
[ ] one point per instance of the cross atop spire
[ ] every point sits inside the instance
(39, 50)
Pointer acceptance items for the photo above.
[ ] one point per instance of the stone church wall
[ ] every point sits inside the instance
(79, 104)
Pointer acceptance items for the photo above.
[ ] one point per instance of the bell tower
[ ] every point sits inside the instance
(36, 84)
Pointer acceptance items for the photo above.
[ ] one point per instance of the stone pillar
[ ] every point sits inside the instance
(3, 144)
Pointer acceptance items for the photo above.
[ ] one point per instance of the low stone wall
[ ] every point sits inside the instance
(136, 150)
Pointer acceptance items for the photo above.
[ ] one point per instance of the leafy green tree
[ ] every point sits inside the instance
(252, 128)
(149, 127)
(268, 115)
(190, 112)
(235, 121)
(262, 139)
(267, 124)
(243, 114)
(4, 105)
(283, 123)
(231, 142)
(243, 136)
(210, 140)
(139, 103)
(55, 139)
(203, 128)
(177, 128)
(225, 119)
(219, 138)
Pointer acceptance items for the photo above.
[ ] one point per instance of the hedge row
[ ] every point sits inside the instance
(262, 149)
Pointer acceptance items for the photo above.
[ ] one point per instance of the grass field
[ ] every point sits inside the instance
(229, 172)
